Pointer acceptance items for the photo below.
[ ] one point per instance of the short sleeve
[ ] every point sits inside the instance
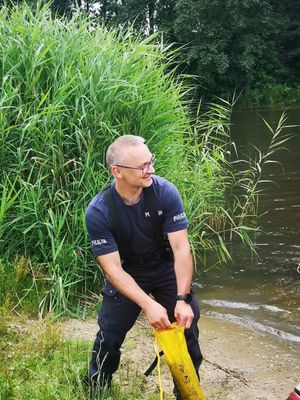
(172, 207)
(99, 231)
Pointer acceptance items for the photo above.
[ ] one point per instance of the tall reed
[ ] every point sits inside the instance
(67, 90)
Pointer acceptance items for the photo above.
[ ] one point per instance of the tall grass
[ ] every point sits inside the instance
(38, 363)
(66, 93)
(67, 90)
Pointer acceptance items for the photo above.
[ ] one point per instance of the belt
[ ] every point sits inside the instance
(157, 255)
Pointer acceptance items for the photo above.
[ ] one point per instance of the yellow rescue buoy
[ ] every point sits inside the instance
(172, 342)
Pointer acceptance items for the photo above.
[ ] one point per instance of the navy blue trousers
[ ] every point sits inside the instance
(118, 314)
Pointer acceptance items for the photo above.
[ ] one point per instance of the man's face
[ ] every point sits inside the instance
(139, 160)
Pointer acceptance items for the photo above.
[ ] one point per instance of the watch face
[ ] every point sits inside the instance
(188, 298)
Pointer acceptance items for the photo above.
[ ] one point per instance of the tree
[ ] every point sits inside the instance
(165, 18)
(62, 7)
(229, 43)
(139, 13)
(290, 37)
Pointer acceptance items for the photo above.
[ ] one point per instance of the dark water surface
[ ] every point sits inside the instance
(264, 293)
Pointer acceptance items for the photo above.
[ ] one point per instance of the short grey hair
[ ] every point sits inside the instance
(115, 150)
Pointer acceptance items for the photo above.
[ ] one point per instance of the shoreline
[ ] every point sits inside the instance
(239, 363)
(251, 364)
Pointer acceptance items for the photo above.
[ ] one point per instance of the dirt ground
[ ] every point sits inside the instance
(239, 364)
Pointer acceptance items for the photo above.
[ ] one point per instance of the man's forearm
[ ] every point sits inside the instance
(184, 273)
(126, 285)
(183, 266)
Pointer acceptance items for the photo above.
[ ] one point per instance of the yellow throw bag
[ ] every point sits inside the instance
(173, 343)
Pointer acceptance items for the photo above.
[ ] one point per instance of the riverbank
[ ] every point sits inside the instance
(239, 363)
(250, 364)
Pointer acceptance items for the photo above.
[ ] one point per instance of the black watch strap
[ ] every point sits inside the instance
(187, 297)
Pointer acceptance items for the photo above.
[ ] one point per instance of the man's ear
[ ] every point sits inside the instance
(116, 172)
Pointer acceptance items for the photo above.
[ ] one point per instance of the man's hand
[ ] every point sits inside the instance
(184, 314)
(157, 316)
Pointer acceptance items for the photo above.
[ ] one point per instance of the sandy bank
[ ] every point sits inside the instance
(239, 364)
(247, 364)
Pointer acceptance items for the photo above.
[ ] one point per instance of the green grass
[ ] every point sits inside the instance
(37, 363)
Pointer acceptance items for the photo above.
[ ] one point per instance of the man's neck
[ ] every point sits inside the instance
(130, 196)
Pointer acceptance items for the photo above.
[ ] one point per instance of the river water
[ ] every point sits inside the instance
(264, 293)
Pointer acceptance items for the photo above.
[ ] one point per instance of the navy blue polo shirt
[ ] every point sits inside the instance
(134, 218)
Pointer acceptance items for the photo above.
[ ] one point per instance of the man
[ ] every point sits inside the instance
(128, 242)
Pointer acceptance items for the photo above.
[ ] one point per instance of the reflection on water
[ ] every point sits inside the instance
(264, 293)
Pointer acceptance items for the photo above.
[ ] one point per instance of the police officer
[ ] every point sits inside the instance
(127, 234)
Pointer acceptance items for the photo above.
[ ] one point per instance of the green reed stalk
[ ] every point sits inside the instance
(67, 90)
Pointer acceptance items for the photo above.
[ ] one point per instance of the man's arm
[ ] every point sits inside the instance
(125, 284)
(184, 273)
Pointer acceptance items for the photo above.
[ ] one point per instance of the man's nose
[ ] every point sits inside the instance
(151, 169)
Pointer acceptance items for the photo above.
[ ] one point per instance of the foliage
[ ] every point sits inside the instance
(39, 364)
(66, 92)
(235, 193)
(228, 44)
(23, 285)
(272, 95)
(68, 88)
(290, 38)
(247, 46)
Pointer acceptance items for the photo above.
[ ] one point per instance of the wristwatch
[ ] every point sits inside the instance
(186, 297)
